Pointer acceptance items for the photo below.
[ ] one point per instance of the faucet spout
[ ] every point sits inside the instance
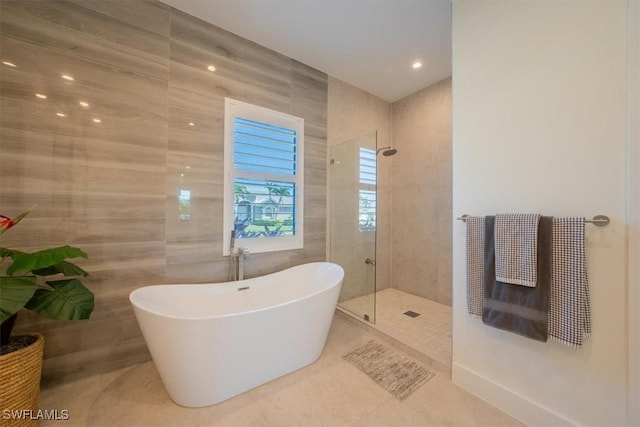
(232, 242)
(237, 258)
(242, 255)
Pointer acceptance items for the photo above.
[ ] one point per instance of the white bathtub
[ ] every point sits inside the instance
(211, 342)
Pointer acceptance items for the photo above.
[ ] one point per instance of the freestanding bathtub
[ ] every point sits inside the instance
(211, 342)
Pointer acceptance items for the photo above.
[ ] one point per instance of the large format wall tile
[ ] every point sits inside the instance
(250, 73)
(106, 176)
(98, 184)
(422, 212)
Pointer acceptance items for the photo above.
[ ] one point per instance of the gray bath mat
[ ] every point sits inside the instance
(393, 371)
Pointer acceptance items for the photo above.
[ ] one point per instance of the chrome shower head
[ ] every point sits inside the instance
(387, 151)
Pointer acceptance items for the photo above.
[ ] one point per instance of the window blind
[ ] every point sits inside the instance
(367, 166)
(260, 147)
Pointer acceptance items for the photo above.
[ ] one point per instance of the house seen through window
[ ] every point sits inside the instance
(263, 178)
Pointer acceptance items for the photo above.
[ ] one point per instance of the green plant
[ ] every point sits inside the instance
(240, 191)
(24, 283)
(277, 190)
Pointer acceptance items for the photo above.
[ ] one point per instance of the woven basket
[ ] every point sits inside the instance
(20, 384)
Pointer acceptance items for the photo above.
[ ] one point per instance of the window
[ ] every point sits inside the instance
(367, 191)
(263, 178)
(184, 205)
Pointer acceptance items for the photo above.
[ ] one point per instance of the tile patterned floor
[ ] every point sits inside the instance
(429, 333)
(329, 392)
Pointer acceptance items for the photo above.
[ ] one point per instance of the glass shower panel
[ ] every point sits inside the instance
(353, 222)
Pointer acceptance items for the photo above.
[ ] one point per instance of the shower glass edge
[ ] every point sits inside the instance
(353, 216)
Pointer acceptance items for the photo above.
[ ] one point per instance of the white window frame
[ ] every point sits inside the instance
(233, 109)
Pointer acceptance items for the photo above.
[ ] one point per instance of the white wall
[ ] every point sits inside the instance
(539, 119)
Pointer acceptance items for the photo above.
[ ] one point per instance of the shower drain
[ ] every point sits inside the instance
(411, 313)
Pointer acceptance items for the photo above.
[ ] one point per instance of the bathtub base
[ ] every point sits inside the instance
(205, 361)
(236, 354)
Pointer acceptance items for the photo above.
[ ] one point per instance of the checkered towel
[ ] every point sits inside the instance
(475, 263)
(516, 243)
(570, 309)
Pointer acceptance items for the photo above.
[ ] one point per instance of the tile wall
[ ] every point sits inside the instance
(422, 213)
(106, 176)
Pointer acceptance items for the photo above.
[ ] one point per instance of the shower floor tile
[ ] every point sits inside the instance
(429, 333)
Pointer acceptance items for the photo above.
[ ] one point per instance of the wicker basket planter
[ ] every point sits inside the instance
(20, 379)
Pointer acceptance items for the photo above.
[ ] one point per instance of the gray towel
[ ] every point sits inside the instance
(516, 238)
(518, 309)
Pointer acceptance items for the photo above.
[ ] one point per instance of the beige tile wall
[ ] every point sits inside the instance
(354, 113)
(422, 212)
(111, 187)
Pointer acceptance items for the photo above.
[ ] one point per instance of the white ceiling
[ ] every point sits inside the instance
(370, 44)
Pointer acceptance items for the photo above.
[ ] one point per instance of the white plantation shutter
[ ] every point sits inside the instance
(260, 147)
(367, 191)
(367, 166)
(263, 178)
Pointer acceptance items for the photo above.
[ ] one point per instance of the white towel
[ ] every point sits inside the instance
(475, 264)
(570, 309)
(516, 243)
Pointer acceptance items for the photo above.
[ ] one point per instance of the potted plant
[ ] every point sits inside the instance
(47, 284)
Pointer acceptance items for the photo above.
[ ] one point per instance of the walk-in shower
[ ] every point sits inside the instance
(361, 236)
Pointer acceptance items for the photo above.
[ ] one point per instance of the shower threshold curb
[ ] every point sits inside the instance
(407, 349)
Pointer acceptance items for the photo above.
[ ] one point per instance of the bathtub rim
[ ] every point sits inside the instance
(230, 283)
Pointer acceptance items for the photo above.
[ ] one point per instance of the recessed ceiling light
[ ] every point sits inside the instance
(9, 64)
(416, 65)
(83, 103)
(96, 120)
(191, 124)
(41, 96)
(61, 115)
(211, 68)
(68, 77)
